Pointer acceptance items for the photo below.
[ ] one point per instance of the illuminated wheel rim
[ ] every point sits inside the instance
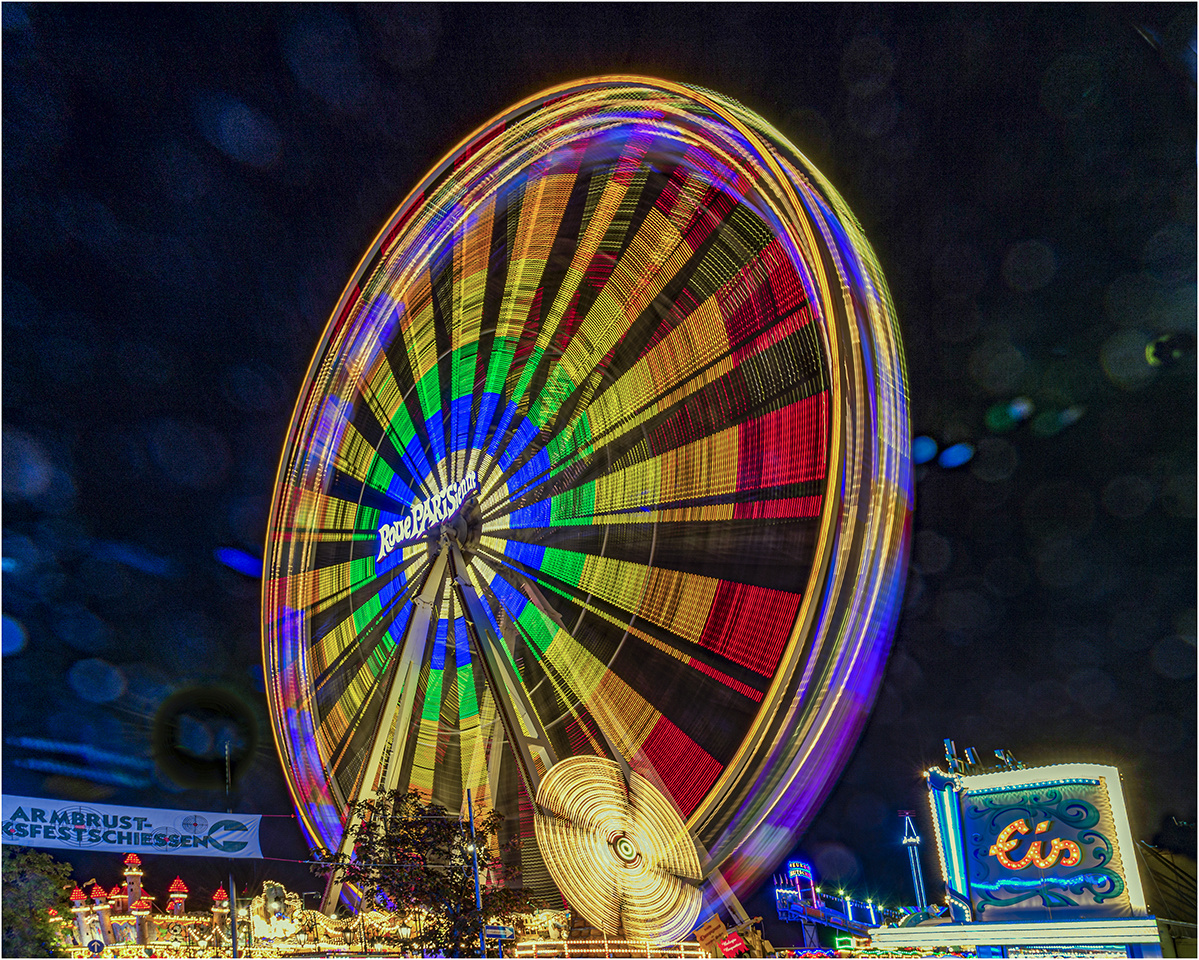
(621, 855)
(656, 338)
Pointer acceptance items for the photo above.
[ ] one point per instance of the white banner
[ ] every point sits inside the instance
(71, 825)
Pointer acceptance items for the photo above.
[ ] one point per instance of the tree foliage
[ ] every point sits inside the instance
(414, 857)
(33, 883)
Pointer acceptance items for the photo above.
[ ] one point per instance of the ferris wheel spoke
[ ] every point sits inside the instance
(384, 431)
(607, 188)
(743, 623)
(627, 721)
(724, 684)
(697, 251)
(688, 361)
(634, 478)
(637, 715)
(349, 631)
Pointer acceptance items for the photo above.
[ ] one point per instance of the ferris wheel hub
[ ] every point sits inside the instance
(626, 851)
(463, 527)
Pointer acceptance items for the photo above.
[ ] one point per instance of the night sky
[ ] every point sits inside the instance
(186, 190)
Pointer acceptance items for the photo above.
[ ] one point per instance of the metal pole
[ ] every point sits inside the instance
(474, 853)
(232, 886)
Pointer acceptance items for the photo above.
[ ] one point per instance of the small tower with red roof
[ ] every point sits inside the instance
(220, 908)
(141, 910)
(79, 908)
(133, 878)
(100, 898)
(178, 892)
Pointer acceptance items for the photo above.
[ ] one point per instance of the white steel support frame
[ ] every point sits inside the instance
(410, 654)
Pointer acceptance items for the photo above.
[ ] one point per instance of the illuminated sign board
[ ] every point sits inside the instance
(425, 513)
(798, 870)
(1037, 843)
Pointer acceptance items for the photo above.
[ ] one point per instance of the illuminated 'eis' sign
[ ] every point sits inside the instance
(1003, 845)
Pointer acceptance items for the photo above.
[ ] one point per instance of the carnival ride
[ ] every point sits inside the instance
(603, 455)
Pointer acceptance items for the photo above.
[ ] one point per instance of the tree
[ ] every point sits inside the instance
(411, 856)
(33, 883)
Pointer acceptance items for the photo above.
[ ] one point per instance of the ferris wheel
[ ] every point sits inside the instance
(595, 501)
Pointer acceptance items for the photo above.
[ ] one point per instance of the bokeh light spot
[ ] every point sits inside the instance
(322, 52)
(996, 366)
(1173, 657)
(956, 456)
(867, 65)
(255, 388)
(1170, 254)
(239, 560)
(1178, 496)
(238, 131)
(923, 449)
(14, 636)
(1021, 408)
(189, 454)
(836, 863)
(932, 552)
(1123, 359)
(1127, 497)
(995, 460)
(1049, 423)
(1029, 265)
(14, 16)
(78, 627)
(404, 35)
(96, 681)
(1134, 300)
(27, 470)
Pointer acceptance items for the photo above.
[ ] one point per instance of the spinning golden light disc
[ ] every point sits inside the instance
(621, 856)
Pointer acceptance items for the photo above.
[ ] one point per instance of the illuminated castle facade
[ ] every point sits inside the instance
(126, 917)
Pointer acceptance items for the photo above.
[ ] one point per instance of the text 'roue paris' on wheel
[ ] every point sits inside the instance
(603, 454)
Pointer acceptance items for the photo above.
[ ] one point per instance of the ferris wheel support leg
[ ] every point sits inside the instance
(604, 721)
(725, 894)
(512, 703)
(495, 754)
(403, 682)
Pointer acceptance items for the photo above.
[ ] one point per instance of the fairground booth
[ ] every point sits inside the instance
(1037, 861)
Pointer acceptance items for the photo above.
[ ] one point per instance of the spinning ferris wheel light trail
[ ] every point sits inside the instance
(598, 487)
